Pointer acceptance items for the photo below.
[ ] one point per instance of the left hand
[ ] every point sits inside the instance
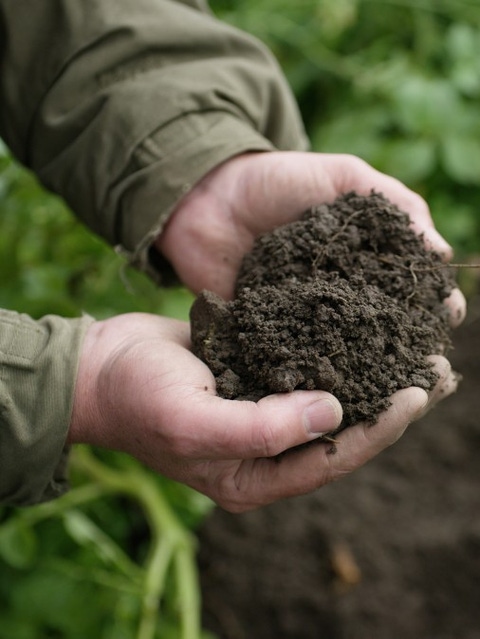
(216, 223)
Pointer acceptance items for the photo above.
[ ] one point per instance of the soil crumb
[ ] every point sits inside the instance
(347, 300)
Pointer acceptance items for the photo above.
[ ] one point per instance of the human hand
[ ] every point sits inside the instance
(216, 223)
(141, 391)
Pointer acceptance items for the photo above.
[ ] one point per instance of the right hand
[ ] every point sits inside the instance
(140, 390)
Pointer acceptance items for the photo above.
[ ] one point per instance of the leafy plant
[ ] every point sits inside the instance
(396, 82)
(116, 556)
(65, 555)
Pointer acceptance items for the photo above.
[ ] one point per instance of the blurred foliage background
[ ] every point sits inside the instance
(396, 82)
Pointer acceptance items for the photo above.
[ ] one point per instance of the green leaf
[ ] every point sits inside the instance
(86, 533)
(357, 132)
(461, 158)
(463, 47)
(427, 106)
(18, 628)
(457, 220)
(3, 149)
(18, 544)
(53, 602)
(410, 160)
(334, 18)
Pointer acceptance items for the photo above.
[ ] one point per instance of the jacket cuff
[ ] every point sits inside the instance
(38, 367)
(209, 139)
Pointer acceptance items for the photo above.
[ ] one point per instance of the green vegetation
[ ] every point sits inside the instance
(396, 82)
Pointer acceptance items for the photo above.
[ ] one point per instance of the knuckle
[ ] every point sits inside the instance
(265, 443)
(359, 166)
(230, 500)
(233, 490)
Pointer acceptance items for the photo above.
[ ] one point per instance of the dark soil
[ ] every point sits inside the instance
(393, 550)
(346, 300)
(389, 552)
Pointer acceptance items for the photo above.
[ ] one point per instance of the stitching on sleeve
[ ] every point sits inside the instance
(20, 344)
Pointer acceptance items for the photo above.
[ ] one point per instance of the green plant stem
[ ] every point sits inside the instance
(56, 508)
(157, 568)
(171, 542)
(97, 576)
(189, 593)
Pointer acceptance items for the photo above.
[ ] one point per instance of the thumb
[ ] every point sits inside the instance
(248, 430)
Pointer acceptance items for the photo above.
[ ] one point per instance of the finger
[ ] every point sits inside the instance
(447, 381)
(353, 173)
(434, 241)
(420, 217)
(262, 481)
(457, 305)
(219, 428)
(358, 444)
(359, 176)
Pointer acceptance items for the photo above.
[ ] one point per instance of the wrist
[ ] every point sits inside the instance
(203, 235)
(85, 423)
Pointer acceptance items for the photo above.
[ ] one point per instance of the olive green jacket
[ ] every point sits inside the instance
(119, 106)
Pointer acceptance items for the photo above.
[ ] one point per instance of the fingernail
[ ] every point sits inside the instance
(422, 404)
(450, 385)
(457, 305)
(322, 416)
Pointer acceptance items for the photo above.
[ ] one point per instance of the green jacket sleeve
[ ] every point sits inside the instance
(38, 365)
(121, 106)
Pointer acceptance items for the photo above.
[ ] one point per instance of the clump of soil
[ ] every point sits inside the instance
(390, 551)
(347, 300)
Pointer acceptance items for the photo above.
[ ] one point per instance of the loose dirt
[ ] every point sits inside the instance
(347, 300)
(391, 551)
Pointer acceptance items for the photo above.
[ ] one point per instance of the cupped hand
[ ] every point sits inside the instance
(216, 223)
(141, 391)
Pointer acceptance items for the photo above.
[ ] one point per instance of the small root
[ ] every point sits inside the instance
(415, 282)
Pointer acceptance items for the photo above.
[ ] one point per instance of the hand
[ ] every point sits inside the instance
(140, 390)
(217, 222)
